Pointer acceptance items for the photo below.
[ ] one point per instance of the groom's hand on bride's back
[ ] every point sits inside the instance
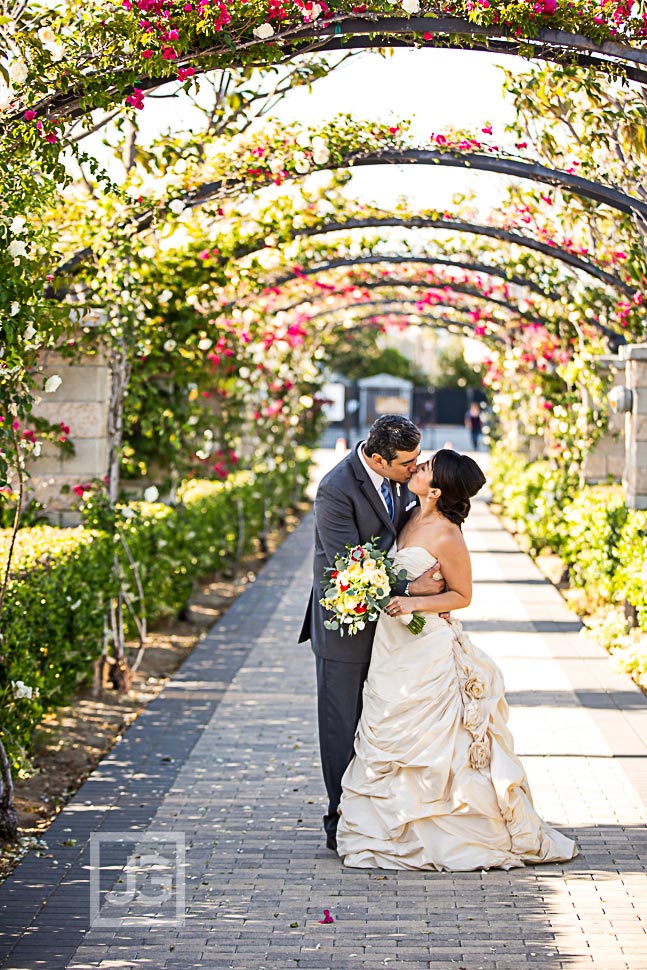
(425, 584)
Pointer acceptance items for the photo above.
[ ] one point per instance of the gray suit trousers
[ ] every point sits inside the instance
(339, 691)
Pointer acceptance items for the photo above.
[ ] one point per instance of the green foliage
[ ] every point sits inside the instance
(592, 527)
(533, 495)
(603, 543)
(362, 357)
(52, 622)
(454, 371)
(631, 575)
(62, 580)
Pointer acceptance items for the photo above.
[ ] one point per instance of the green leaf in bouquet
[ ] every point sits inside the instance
(402, 574)
(331, 624)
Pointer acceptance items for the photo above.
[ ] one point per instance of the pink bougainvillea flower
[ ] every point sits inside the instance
(147, 53)
(136, 99)
(327, 917)
(29, 115)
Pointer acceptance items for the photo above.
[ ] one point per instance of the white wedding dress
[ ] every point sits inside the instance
(435, 783)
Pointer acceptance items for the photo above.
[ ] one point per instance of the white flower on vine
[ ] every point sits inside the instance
(52, 384)
(264, 31)
(151, 494)
(411, 6)
(170, 345)
(6, 94)
(277, 164)
(177, 206)
(50, 43)
(15, 308)
(21, 690)
(18, 72)
(303, 139)
(165, 296)
(128, 513)
(17, 226)
(320, 151)
(17, 248)
(301, 163)
(205, 343)
(46, 36)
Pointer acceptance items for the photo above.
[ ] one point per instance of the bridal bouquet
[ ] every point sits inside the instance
(359, 587)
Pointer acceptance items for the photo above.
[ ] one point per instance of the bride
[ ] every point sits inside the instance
(434, 782)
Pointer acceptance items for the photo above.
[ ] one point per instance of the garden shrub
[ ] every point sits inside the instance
(592, 527)
(533, 495)
(630, 581)
(61, 581)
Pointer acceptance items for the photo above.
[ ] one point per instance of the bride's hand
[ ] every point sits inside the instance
(399, 606)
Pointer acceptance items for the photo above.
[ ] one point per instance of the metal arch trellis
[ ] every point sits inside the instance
(210, 191)
(420, 319)
(481, 268)
(615, 338)
(474, 228)
(442, 322)
(372, 30)
(414, 284)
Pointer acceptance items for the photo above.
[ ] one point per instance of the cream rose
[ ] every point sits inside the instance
(379, 578)
(264, 31)
(475, 688)
(472, 716)
(479, 754)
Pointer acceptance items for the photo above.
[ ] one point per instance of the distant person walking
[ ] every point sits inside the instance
(474, 424)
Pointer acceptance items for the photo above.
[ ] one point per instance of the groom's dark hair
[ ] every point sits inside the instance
(390, 434)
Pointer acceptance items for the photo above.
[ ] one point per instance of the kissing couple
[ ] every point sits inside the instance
(417, 758)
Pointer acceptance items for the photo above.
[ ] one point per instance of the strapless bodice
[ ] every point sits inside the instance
(414, 559)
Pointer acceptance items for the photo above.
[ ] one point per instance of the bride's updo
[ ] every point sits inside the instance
(459, 478)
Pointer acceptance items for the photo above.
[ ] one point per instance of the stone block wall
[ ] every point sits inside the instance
(81, 402)
(635, 476)
(607, 459)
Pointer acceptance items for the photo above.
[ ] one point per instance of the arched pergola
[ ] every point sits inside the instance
(469, 291)
(382, 308)
(349, 30)
(216, 190)
(316, 268)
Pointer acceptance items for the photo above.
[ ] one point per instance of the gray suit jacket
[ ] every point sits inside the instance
(348, 510)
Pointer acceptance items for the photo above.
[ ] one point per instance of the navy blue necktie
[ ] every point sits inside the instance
(388, 498)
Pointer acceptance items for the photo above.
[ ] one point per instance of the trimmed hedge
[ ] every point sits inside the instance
(62, 580)
(603, 543)
(533, 495)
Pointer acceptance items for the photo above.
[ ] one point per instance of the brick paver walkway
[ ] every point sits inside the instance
(227, 758)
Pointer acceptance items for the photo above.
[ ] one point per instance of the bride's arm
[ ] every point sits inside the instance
(457, 570)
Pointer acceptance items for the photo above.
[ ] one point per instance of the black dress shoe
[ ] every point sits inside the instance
(331, 842)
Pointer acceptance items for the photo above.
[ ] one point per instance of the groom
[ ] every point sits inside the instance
(365, 495)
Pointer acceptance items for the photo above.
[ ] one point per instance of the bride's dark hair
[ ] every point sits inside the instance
(459, 478)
